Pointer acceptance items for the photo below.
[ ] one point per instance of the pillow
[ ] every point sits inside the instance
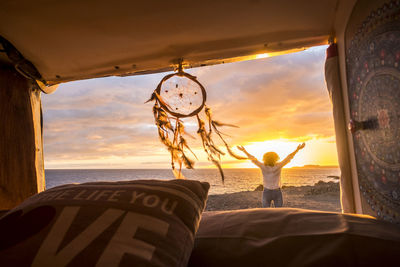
(293, 237)
(135, 223)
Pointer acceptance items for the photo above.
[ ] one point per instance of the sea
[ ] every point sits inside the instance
(236, 180)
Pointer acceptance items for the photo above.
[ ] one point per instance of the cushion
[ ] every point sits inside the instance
(135, 223)
(293, 237)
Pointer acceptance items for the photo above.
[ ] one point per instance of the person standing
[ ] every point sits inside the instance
(271, 171)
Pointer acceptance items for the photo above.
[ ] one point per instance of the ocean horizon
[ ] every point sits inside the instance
(236, 180)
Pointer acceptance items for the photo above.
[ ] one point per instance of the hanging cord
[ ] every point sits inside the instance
(179, 69)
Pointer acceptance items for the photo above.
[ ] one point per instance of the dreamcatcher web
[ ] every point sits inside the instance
(181, 95)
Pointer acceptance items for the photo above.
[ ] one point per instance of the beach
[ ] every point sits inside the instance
(322, 196)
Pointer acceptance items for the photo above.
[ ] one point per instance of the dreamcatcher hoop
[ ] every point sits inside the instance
(181, 73)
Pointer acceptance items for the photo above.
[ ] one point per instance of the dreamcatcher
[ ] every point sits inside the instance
(181, 95)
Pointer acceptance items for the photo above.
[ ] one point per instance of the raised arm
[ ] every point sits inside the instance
(291, 155)
(251, 157)
(241, 148)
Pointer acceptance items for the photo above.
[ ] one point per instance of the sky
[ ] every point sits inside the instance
(278, 102)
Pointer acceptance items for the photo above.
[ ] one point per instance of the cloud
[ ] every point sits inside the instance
(268, 98)
(283, 95)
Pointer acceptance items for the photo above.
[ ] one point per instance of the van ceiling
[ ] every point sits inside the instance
(78, 39)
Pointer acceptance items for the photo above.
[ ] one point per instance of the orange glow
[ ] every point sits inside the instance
(316, 152)
(260, 55)
(265, 55)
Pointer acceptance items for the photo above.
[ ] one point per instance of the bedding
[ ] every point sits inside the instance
(294, 237)
(135, 223)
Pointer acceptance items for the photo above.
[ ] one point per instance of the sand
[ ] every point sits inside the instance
(322, 196)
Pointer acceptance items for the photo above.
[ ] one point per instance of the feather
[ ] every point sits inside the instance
(152, 97)
(162, 113)
(180, 127)
(188, 134)
(184, 144)
(220, 124)
(164, 139)
(207, 110)
(178, 174)
(155, 111)
(162, 102)
(175, 153)
(217, 149)
(188, 162)
(175, 132)
(221, 172)
(233, 154)
(201, 124)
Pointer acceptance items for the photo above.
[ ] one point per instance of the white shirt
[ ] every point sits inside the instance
(272, 174)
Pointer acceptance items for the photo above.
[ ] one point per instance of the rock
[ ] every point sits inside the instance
(259, 188)
(323, 187)
(333, 177)
(320, 183)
